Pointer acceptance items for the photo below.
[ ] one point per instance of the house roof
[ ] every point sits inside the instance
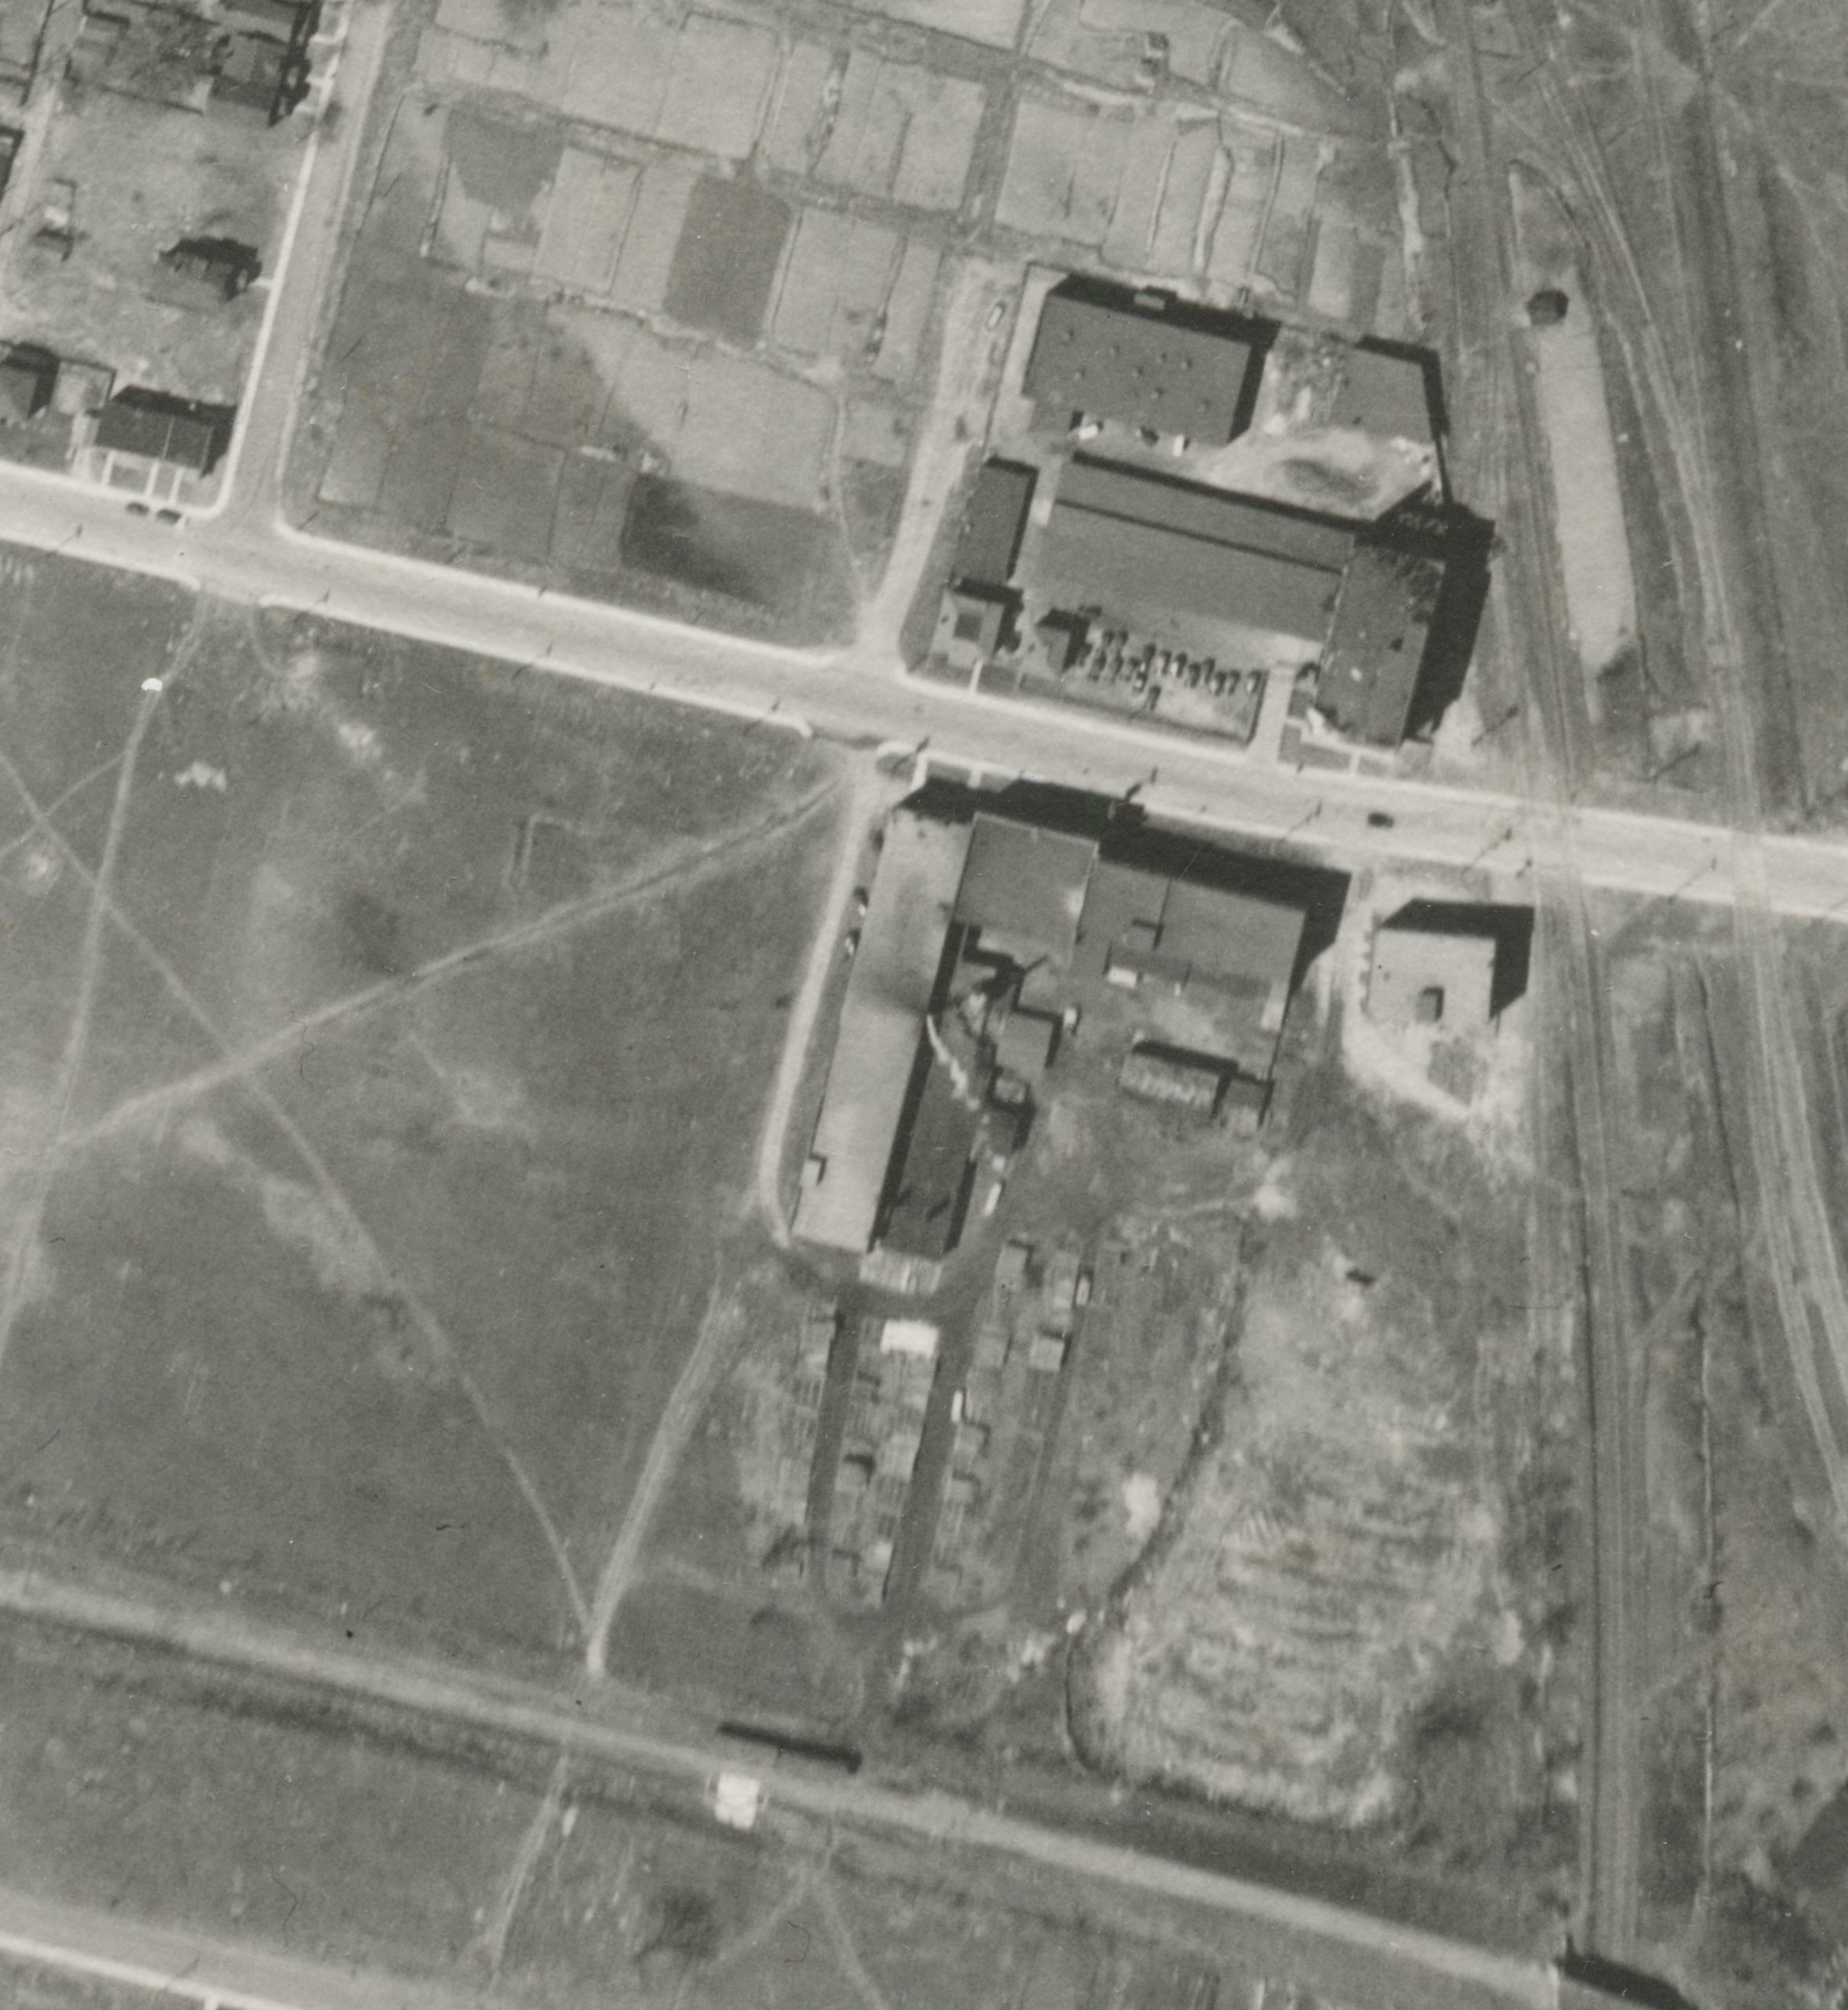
(1140, 359)
(993, 523)
(159, 429)
(1025, 884)
(1377, 642)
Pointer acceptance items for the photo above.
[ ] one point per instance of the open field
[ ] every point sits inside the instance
(359, 1217)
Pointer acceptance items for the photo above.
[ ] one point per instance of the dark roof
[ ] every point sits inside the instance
(1376, 645)
(1025, 883)
(1248, 521)
(25, 384)
(930, 1181)
(1186, 933)
(158, 428)
(1387, 391)
(1128, 542)
(993, 524)
(1143, 360)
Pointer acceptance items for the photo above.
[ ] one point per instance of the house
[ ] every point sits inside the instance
(151, 426)
(1431, 978)
(1143, 360)
(213, 269)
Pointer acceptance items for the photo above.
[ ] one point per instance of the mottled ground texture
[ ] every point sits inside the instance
(389, 1042)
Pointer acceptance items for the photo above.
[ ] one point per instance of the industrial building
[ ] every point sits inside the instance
(1173, 559)
(986, 934)
(1158, 365)
(1447, 966)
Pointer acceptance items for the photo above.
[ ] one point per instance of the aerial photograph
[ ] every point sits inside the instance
(924, 946)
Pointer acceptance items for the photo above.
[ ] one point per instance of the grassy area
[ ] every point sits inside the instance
(428, 1029)
(124, 1791)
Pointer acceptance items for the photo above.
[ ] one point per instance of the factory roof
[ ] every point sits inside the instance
(993, 523)
(1142, 359)
(1377, 642)
(1024, 884)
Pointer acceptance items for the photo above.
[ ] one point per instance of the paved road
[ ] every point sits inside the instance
(1320, 1945)
(243, 557)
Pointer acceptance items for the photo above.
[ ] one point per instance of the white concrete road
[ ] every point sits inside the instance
(248, 555)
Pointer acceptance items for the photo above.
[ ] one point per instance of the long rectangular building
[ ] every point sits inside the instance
(895, 974)
(1147, 550)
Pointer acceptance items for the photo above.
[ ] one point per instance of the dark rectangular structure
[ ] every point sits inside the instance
(1144, 359)
(1377, 643)
(994, 523)
(1143, 548)
(156, 427)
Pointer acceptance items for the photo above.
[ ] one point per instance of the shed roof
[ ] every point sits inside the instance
(1142, 360)
(993, 523)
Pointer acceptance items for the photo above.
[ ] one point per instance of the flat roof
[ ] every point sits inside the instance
(1025, 883)
(1377, 642)
(888, 992)
(1157, 366)
(1228, 936)
(1407, 962)
(1386, 393)
(1250, 522)
(931, 1187)
(993, 523)
(1142, 574)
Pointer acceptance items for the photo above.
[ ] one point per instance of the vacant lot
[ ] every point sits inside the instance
(373, 1135)
(127, 1786)
(1339, 1572)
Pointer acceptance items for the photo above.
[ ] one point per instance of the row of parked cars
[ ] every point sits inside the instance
(1113, 656)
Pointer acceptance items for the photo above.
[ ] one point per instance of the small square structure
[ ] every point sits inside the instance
(1425, 977)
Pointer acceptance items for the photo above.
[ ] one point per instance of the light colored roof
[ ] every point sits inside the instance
(1407, 962)
(901, 942)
